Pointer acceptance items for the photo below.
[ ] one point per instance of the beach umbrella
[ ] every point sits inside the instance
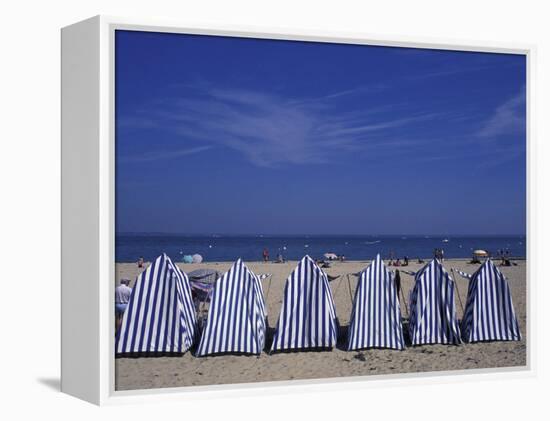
(197, 258)
(330, 256)
(480, 253)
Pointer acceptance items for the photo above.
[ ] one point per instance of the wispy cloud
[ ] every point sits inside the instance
(164, 154)
(448, 72)
(507, 119)
(388, 124)
(270, 130)
(344, 94)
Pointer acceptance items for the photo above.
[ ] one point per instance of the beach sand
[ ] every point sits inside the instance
(187, 370)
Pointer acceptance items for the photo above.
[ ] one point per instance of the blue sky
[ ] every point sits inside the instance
(233, 135)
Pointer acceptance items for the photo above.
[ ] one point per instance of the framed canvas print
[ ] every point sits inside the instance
(245, 208)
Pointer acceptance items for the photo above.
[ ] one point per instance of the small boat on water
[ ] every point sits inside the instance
(445, 240)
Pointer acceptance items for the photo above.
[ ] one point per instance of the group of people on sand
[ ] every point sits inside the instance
(265, 256)
(281, 259)
(504, 256)
(392, 261)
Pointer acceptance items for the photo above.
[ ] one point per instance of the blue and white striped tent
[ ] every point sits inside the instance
(489, 314)
(432, 308)
(160, 316)
(236, 321)
(308, 317)
(375, 320)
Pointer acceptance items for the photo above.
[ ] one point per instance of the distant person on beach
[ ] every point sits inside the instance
(507, 258)
(122, 297)
(280, 258)
(406, 261)
(397, 280)
(398, 262)
(266, 255)
(140, 262)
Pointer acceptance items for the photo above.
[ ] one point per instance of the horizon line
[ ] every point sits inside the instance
(260, 235)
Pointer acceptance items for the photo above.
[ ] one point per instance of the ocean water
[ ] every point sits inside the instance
(214, 248)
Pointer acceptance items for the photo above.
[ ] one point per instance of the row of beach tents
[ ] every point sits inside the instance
(161, 316)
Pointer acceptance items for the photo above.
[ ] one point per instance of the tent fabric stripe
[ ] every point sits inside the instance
(308, 316)
(489, 313)
(160, 316)
(236, 321)
(375, 320)
(432, 307)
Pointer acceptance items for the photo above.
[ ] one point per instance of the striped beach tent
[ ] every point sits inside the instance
(236, 321)
(432, 307)
(160, 316)
(489, 313)
(308, 317)
(375, 320)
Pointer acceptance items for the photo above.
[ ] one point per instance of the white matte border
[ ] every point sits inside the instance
(107, 229)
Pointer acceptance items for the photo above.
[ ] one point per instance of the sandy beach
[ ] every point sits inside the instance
(187, 370)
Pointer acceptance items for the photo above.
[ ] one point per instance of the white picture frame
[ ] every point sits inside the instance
(88, 195)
